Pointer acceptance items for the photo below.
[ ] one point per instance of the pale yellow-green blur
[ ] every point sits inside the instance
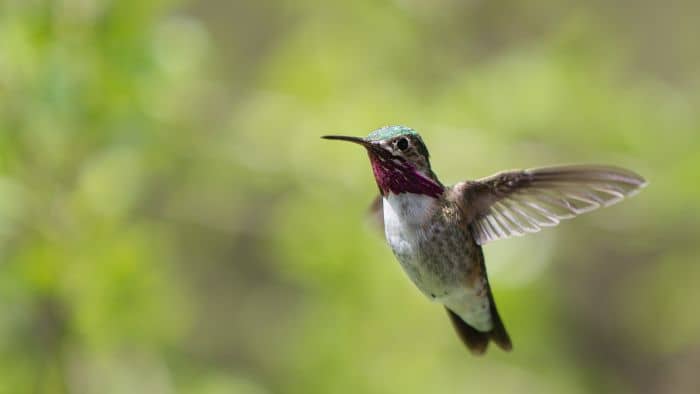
(171, 222)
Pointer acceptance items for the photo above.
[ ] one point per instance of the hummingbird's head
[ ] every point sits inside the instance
(400, 160)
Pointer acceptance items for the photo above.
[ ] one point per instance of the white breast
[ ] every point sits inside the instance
(408, 208)
(403, 215)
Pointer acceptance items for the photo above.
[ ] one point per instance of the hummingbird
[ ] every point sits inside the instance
(436, 232)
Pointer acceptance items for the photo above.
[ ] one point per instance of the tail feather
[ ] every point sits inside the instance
(478, 341)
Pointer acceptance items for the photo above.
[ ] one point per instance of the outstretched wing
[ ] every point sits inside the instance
(515, 203)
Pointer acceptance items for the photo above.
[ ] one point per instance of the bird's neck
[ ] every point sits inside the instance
(398, 176)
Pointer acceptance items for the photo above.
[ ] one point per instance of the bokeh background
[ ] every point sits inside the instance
(170, 221)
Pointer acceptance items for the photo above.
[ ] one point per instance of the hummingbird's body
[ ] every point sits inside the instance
(436, 232)
(432, 241)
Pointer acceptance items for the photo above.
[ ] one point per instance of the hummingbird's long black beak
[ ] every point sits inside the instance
(357, 140)
(372, 147)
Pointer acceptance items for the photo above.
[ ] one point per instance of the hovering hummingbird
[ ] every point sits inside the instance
(436, 231)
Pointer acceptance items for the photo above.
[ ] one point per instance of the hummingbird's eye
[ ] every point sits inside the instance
(402, 144)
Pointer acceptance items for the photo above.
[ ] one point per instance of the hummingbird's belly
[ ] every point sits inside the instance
(439, 255)
(432, 248)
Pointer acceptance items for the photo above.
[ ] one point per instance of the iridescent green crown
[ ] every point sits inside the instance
(387, 132)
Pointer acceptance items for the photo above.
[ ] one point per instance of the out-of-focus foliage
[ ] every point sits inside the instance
(170, 221)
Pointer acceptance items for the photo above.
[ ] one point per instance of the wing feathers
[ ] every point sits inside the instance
(515, 203)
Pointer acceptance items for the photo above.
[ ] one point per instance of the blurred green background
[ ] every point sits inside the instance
(170, 221)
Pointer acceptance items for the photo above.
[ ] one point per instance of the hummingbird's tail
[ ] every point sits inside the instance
(477, 341)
